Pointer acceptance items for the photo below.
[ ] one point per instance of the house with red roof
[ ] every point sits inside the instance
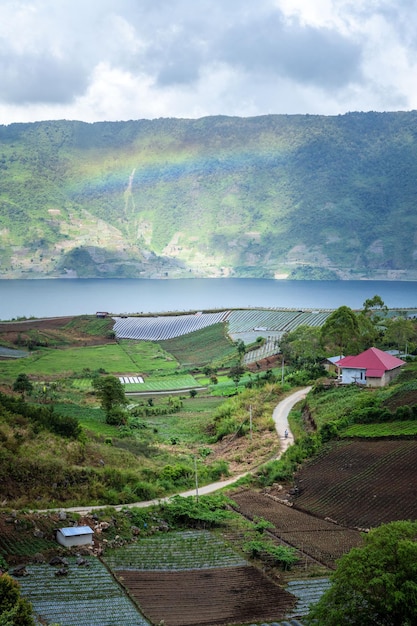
(372, 368)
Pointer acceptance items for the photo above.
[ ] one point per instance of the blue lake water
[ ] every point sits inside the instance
(57, 297)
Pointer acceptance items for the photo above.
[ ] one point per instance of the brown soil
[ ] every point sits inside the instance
(361, 483)
(207, 597)
(318, 539)
(50, 331)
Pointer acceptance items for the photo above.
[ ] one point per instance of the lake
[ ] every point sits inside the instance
(58, 297)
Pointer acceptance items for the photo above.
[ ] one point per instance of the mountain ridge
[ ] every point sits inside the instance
(276, 196)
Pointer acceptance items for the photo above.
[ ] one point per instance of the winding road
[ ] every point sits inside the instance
(280, 417)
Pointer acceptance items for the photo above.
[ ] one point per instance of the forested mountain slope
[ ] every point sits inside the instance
(274, 196)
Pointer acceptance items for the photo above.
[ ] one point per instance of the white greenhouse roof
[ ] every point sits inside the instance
(75, 531)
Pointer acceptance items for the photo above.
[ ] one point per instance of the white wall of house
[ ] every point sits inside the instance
(83, 539)
(353, 375)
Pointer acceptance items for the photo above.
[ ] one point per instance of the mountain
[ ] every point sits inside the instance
(296, 196)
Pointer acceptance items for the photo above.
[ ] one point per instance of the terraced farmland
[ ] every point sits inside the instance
(194, 578)
(86, 595)
(319, 539)
(232, 595)
(164, 327)
(250, 324)
(361, 483)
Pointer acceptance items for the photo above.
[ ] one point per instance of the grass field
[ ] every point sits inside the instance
(188, 425)
(126, 357)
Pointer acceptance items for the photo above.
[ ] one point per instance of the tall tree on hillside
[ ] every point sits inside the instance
(111, 393)
(341, 330)
(375, 584)
(22, 385)
(401, 332)
(302, 346)
(375, 307)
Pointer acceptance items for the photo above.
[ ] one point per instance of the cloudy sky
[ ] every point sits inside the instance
(97, 60)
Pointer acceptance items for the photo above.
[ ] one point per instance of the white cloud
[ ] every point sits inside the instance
(130, 59)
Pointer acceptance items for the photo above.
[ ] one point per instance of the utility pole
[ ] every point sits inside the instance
(250, 421)
(196, 478)
(282, 371)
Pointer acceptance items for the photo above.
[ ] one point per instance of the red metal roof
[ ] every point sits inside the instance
(373, 360)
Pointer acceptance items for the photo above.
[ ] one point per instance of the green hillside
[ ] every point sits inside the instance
(296, 196)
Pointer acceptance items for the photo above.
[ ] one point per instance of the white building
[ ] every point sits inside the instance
(75, 536)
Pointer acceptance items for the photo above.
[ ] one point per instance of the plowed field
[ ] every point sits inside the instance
(361, 483)
(319, 539)
(208, 597)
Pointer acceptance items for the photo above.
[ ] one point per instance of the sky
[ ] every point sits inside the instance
(96, 60)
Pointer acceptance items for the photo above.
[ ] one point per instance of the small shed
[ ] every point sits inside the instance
(74, 536)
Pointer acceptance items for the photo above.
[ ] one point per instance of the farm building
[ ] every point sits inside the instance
(329, 363)
(372, 368)
(74, 536)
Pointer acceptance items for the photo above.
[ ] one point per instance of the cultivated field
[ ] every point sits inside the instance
(361, 483)
(317, 538)
(87, 595)
(233, 595)
(194, 578)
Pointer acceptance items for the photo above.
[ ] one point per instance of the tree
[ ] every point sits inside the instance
(14, 610)
(374, 306)
(236, 373)
(22, 385)
(400, 332)
(375, 584)
(302, 345)
(341, 329)
(110, 391)
(241, 348)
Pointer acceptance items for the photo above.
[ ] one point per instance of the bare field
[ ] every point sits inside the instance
(361, 483)
(208, 597)
(319, 539)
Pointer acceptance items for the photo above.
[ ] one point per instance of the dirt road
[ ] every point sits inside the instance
(280, 417)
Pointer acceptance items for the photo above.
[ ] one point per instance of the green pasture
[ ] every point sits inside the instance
(124, 357)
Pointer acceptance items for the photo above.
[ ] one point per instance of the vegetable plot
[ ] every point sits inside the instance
(362, 483)
(319, 539)
(86, 595)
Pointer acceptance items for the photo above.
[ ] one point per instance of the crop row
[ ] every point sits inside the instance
(13, 544)
(367, 477)
(175, 551)
(86, 595)
(279, 321)
(307, 592)
(269, 348)
(164, 327)
(315, 537)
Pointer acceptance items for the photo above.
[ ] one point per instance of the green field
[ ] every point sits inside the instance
(386, 429)
(190, 424)
(126, 357)
(165, 383)
(206, 346)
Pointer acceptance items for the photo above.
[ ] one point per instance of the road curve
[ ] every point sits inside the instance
(280, 417)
